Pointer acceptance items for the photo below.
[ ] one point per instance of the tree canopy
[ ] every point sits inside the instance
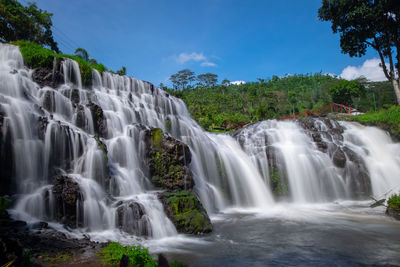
(28, 23)
(368, 23)
(82, 53)
(208, 79)
(345, 91)
(182, 79)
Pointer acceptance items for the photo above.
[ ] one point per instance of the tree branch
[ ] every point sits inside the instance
(385, 71)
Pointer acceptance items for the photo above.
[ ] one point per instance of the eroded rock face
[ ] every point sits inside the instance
(339, 158)
(186, 212)
(393, 212)
(46, 77)
(68, 201)
(6, 158)
(168, 162)
(132, 219)
(99, 120)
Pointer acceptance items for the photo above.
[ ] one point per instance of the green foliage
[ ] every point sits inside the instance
(82, 53)
(226, 108)
(5, 203)
(182, 79)
(187, 212)
(344, 91)
(122, 71)
(279, 187)
(394, 202)
(367, 23)
(36, 56)
(139, 256)
(208, 79)
(29, 23)
(387, 118)
(55, 258)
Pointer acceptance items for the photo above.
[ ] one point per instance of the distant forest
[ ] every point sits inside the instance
(226, 107)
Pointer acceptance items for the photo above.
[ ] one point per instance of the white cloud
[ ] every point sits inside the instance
(185, 57)
(370, 69)
(182, 58)
(237, 82)
(208, 64)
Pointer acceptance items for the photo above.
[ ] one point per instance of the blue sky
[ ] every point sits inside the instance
(236, 39)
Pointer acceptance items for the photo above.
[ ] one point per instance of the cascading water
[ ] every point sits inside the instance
(92, 139)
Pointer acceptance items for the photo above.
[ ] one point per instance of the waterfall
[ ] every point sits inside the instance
(93, 140)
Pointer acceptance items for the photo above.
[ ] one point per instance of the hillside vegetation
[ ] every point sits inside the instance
(229, 107)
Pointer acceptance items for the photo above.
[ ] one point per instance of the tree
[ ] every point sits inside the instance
(29, 23)
(82, 53)
(225, 82)
(182, 79)
(122, 71)
(292, 98)
(208, 79)
(344, 91)
(368, 23)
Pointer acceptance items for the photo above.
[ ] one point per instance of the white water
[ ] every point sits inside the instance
(226, 175)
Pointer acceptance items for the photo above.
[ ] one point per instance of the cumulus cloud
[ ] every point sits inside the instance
(370, 69)
(237, 82)
(182, 58)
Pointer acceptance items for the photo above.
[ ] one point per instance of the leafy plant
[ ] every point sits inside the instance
(394, 202)
(139, 256)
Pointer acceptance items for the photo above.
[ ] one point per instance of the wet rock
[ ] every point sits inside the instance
(393, 212)
(7, 184)
(131, 218)
(339, 158)
(75, 97)
(99, 120)
(168, 161)
(124, 262)
(278, 177)
(186, 212)
(162, 261)
(49, 101)
(68, 201)
(46, 77)
(40, 225)
(81, 120)
(42, 127)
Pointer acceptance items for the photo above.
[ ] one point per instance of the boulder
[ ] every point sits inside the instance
(132, 219)
(186, 212)
(68, 201)
(47, 77)
(393, 212)
(339, 158)
(99, 120)
(168, 161)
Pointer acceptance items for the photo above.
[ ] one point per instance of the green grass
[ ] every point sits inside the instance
(57, 258)
(394, 202)
(36, 56)
(139, 256)
(387, 118)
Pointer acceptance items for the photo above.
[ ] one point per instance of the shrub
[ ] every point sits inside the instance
(36, 56)
(139, 256)
(394, 202)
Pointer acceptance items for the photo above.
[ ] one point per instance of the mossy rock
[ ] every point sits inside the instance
(186, 212)
(168, 161)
